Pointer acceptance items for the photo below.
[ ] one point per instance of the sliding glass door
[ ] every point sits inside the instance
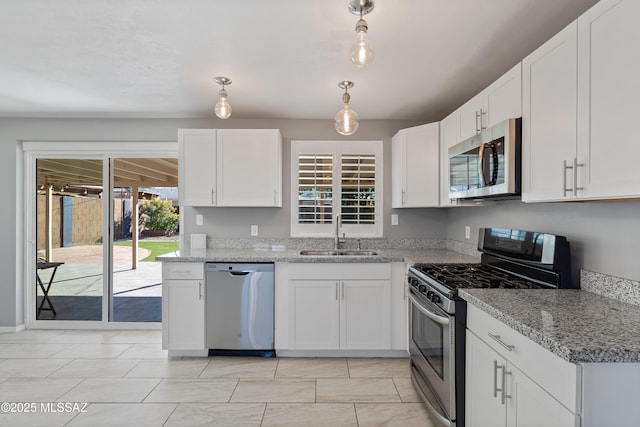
(69, 243)
(98, 224)
(145, 224)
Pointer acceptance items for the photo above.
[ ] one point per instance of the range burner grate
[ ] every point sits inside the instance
(456, 276)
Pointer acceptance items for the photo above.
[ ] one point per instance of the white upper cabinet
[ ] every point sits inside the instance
(500, 101)
(472, 117)
(580, 91)
(249, 167)
(415, 164)
(503, 99)
(196, 167)
(230, 167)
(549, 117)
(449, 136)
(608, 94)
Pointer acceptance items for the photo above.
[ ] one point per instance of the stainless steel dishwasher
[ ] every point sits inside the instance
(239, 309)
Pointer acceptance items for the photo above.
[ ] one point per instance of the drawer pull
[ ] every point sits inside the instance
(502, 343)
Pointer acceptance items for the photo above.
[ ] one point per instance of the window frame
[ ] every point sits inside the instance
(337, 149)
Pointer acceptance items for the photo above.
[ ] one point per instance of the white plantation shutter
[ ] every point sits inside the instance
(315, 189)
(336, 177)
(358, 195)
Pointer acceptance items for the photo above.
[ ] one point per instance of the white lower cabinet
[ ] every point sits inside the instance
(364, 314)
(342, 306)
(183, 306)
(315, 313)
(512, 381)
(500, 394)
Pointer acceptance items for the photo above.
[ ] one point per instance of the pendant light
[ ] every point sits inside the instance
(223, 108)
(361, 51)
(346, 120)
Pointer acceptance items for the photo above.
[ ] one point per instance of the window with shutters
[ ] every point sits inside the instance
(336, 181)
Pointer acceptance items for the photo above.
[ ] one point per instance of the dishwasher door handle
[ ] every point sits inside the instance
(239, 273)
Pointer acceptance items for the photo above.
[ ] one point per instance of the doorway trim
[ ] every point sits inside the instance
(102, 150)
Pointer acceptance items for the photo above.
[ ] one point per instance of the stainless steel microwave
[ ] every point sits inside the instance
(487, 164)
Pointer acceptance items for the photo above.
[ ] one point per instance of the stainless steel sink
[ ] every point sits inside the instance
(357, 252)
(318, 252)
(329, 252)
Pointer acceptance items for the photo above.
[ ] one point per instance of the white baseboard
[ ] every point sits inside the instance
(12, 328)
(188, 353)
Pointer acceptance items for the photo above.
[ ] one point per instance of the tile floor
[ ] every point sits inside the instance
(126, 379)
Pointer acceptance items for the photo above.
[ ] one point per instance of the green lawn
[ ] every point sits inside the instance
(157, 247)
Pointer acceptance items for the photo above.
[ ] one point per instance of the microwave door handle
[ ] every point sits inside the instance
(494, 158)
(481, 165)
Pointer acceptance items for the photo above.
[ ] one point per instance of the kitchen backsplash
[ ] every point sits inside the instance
(609, 286)
(351, 243)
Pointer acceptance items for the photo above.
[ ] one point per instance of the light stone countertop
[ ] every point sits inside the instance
(412, 256)
(579, 326)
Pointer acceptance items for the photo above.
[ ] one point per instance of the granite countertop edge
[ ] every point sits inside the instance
(576, 354)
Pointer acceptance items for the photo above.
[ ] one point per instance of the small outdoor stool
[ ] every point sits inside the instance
(43, 265)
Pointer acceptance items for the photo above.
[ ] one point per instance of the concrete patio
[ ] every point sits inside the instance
(78, 283)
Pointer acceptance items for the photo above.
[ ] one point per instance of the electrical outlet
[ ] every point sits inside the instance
(199, 220)
(467, 232)
(254, 230)
(394, 219)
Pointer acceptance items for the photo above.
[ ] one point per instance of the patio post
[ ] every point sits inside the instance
(134, 227)
(48, 224)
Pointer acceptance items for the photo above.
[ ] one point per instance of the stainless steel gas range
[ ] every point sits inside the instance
(511, 259)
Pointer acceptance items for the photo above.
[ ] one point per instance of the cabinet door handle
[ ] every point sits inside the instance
(482, 113)
(564, 179)
(477, 117)
(502, 343)
(342, 289)
(337, 291)
(495, 377)
(199, 290)
(576, 165)
(505, 396)
(275, 196)
(403, 196)
(213, 196)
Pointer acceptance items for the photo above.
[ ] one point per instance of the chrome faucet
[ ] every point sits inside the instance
(337, 239)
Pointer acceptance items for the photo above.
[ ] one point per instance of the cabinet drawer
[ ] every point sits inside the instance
(557, 376)
(182, 270)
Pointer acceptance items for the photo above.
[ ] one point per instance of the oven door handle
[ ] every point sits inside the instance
(438, 319)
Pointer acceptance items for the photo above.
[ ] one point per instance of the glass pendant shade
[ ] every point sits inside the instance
(346, 121)
(361, 52)
(223, 108)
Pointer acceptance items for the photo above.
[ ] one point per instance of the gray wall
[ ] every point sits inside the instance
(604, 236)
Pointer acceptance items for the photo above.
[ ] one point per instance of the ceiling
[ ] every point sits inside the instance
(157, 58)
(68, 175)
